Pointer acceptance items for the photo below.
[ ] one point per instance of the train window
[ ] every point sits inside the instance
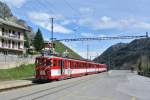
(48, 63)
(59, 62)
(74, 65)
(62, 63)
(71, 64)
(40, 62)
(81, 65)
(68, 63)
(55, 63)
(78, 65)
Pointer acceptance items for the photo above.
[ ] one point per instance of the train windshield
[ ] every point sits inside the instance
(42, 62)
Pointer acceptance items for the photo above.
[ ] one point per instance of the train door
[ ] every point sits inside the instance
(61, 65)
(69, 69)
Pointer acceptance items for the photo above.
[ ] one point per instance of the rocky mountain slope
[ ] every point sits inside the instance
(123, 56)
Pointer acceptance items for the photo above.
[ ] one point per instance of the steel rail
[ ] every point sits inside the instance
(65, 86)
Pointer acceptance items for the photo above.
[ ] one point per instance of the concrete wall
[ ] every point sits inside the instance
(11, 61)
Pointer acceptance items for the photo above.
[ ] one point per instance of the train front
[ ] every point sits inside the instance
(43, 68)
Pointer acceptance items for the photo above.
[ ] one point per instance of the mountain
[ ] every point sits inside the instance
(5, 11)
(125, 56)
(60, 48)
(6, 14)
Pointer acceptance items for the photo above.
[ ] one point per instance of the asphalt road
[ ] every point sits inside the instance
(112, 85)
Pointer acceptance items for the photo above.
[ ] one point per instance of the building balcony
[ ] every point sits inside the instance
(11, 37)
(15, 48)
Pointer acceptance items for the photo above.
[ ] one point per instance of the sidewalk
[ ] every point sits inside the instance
(5, 85)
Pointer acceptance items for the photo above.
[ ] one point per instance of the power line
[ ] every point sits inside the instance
(104, 38)
(45, 6)
(73, 9)
(54, 8)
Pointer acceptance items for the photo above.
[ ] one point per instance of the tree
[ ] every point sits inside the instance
(26, 43)
(38, 41)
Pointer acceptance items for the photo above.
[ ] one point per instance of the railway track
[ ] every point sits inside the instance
(49, 91)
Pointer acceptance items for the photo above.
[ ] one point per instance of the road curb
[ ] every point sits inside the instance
(15, 84)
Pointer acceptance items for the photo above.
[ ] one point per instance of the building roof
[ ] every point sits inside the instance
(10, 23)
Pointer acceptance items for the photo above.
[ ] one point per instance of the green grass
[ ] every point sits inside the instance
(60, 47)
(23, 71)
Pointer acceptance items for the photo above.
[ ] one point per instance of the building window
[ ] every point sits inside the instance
(19, 35)
(13, 32)
(2, 42)
(6, 43)
(18, 45)
(9, 43)
(9, 32)
(3, 30)
(13, 44)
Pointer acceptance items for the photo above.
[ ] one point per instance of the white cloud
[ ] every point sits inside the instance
(43, 19)
(15, 3)
(59, 28)
(105, 19)
(91, 54)
(87, 35)
(65, 22)
(106, 22)
(85, 10)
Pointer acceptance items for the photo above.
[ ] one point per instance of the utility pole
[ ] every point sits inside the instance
(52, 27)
(147, 34)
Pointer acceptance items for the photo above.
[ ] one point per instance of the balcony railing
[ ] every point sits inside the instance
(4, 46)
(11, 36)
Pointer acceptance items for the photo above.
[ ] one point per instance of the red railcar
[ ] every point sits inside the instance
(54, 68)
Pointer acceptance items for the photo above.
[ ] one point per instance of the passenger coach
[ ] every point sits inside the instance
(56, 68)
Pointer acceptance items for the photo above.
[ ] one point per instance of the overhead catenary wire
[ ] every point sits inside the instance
(73, 9)
(76, 12)
(45, 6)
(104, 38)
(52, 9)
(64, 17)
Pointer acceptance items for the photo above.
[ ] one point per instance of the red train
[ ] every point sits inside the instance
(56, 68)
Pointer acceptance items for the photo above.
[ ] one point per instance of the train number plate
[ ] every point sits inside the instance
(42, 72)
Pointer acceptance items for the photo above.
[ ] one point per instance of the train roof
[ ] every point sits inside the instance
(81, 60)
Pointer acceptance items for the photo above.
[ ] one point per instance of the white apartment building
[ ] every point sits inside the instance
(11, 37)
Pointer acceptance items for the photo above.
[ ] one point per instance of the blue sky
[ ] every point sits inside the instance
(85, 18)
